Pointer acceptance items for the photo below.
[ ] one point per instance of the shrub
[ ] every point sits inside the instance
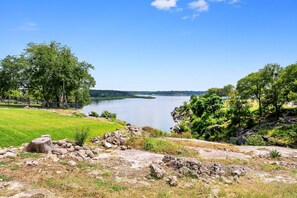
(255, 140)
(108, 115)
(94, 114)
(154, 132)
(81, 136)
(161, 146)
(79, 115)
(275, 154)
(186, 135)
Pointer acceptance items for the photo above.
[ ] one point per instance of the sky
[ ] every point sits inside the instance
(158, 44)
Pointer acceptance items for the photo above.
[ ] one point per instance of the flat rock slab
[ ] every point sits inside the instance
(220, 154)
(138, 158)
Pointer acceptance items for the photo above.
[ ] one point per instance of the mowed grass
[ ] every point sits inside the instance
(19, 126)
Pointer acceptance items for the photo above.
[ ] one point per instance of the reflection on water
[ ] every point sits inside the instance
(141, 112)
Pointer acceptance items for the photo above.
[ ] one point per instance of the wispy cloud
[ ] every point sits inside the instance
(28, 26)
(164, 4)
(199, 5)
(226, 1)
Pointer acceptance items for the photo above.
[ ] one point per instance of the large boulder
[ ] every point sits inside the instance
(40, 145)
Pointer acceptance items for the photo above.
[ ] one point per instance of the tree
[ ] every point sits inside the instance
(56, 74)
(274, 87)
(289, 78)
(12, 74)
(252, 86)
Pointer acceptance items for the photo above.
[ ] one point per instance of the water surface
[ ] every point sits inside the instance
(141, 112)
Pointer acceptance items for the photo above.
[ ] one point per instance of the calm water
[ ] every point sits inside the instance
(141, 112)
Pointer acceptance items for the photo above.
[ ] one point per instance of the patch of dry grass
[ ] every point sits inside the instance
(190, 143)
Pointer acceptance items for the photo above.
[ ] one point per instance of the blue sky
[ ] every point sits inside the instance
(158, 44)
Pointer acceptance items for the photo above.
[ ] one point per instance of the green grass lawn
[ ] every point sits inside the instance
(19, 126)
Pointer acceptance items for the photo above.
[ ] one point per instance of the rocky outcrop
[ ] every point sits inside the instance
(186, 167)
(118, 138)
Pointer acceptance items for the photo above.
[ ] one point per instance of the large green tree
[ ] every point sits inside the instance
(12, 74)
(289, 78)
(252, 86)
(274, 87)
(56, 74)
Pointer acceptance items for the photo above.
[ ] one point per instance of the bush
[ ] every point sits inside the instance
(79, 115)
(186, 135)
(108, 115)
(81, 136)
(94, 114)
(275, 154)
(154, 132)
(255, 140)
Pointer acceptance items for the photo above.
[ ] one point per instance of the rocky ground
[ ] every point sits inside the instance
(110, 168)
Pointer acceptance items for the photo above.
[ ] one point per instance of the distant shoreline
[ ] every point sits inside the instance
(121, 97)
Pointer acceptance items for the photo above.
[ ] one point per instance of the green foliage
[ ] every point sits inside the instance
(275, 154)
(108, 115)
(225, 91)
(81, 135)
(255, 140)
(154, 132)
(5, 178)
(94, 114)
(79, 115)
(164, 146)
(112, 187)
(47, 72)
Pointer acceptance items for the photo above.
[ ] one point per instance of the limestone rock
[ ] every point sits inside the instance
(156, 171)
(172, 181)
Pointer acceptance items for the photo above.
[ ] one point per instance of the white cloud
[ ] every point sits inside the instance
(164, 4)
(28, 26)
(226, 1)
(199, 5)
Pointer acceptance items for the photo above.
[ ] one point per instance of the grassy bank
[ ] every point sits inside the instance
(19, 126)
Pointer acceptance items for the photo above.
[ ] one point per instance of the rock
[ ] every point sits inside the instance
(40, 145)
(31, 163)
(129, 147)
(107, 145)
(90, 154)
(217, 168)
(241, 141)
(71, 163)
(71, 149)
(238, 172)
(97, 151)
(123, 148)
(54, 158)
(156, 171)
(59, 151)
(77, 148)
(2, 152)
(172, 181)
(9, 154)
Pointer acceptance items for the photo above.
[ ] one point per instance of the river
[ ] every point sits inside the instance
(141, 112)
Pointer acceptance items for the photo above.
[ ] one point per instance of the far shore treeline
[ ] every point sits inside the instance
(48, 73)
